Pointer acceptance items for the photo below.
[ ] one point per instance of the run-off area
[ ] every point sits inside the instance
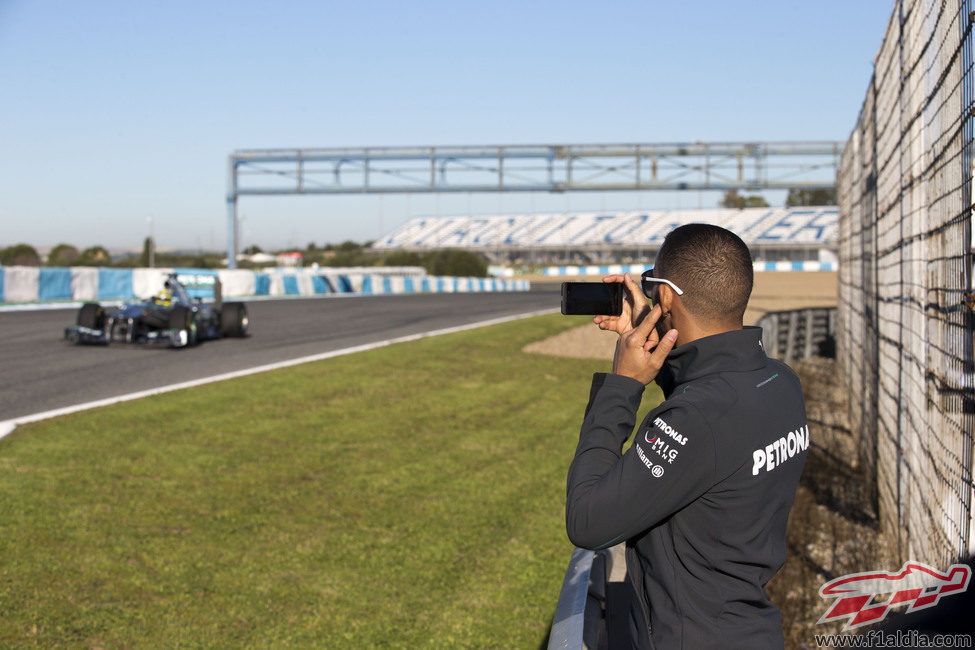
(410, 494)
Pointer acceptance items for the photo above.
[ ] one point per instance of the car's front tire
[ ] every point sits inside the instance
(92, 316)
(183, 318)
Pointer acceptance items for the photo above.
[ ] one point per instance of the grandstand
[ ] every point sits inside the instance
(798, 234)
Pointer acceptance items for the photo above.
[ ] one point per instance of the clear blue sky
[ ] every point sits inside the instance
(116, 110)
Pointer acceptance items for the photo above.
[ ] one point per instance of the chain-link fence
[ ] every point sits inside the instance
(905, 321)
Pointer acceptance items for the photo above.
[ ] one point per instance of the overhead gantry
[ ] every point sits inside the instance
(527, 168)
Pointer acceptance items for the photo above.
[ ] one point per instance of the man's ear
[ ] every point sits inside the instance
(665, 296)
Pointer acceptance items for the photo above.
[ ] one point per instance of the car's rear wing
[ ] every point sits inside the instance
(201, 283)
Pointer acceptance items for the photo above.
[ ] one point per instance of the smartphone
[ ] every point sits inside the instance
(592, 298)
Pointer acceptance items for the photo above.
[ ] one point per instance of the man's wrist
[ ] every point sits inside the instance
(622, 381)
(639, 376)
(608, 388)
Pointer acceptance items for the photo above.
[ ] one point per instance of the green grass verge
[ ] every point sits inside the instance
(410, 496)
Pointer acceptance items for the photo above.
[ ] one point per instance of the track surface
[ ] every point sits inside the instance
(40, 372)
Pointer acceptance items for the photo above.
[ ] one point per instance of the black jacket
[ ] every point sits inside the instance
(702, 496)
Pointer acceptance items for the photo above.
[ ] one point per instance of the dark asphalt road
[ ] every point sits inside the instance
(40, 372)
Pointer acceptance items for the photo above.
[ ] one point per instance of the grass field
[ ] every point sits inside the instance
(410, 496)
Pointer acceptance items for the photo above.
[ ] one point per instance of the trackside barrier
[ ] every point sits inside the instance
(558, 271)
(115, 283)
(568, 625)
(22, 284)
(799, 334)
(593, 610)
(794, 266)
(262, 284)
(84, 283)
(54, 284)
(238, 282)
(596, 270)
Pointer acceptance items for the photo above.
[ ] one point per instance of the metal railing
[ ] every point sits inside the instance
(594, 604)
(799, 333)
(569, 623)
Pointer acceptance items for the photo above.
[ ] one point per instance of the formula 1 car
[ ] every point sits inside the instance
(171, 317)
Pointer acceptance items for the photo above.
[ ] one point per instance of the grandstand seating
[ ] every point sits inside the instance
(799, 227)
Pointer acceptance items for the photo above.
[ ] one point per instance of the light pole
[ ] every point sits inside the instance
(152, 244)
(241, 232)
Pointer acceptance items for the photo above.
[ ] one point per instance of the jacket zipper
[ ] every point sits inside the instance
(636, 581)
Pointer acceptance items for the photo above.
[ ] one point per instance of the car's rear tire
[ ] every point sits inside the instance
(92, 316)
(233, 319)
(182, 318)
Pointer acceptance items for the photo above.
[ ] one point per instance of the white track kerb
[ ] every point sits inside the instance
(7, 426)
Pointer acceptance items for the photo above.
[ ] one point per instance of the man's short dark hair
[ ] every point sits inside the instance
(712, 266)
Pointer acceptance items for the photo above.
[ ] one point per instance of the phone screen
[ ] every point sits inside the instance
(592, 298)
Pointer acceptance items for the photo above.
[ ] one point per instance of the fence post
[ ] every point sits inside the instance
(790, 342)
(965, 24)
(807, 350)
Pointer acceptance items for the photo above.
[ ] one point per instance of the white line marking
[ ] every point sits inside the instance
(7, 426)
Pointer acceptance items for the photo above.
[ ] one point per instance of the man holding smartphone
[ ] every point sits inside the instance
(702, 496)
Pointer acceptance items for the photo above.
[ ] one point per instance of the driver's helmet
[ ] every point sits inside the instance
(164, 298)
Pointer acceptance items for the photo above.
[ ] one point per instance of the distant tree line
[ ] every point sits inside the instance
(799, 197)
(68, 255)
(60, 255)
(447, 262)
(732, 199)
(796, 197)
(349, 253)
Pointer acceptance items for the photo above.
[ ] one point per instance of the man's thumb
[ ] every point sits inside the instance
(646, 325)
(663, 348)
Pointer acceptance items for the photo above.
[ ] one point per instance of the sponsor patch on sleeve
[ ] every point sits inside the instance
(670, 431)
(659, 446)
(656, 469)
(664, 448)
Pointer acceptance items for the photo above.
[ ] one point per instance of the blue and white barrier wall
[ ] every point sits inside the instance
(613, 269)
(556, 271)
(796, 266)
(20, 284)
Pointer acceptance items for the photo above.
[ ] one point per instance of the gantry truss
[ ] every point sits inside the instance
(528, 168)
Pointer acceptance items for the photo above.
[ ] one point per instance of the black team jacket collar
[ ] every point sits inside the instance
(734, 351)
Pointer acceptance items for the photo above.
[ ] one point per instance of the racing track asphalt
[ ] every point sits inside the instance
(41, 372)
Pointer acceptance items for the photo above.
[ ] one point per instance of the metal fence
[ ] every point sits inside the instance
(798, 334)
(904, 329)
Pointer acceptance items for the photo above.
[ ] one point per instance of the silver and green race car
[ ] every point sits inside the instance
(172, 317)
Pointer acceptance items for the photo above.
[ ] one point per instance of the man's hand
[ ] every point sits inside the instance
(639, 354)
(635, 307)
